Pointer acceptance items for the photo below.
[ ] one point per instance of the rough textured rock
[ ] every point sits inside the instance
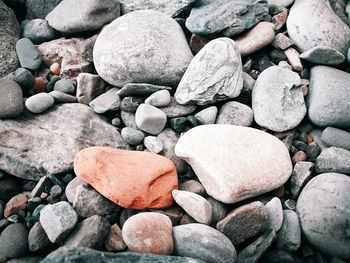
(122, 56)
(230, 176)
(36, 145)
(71, 188)
(108, 101)
(323, 55)
(37, 238)
(215, 73)
(14, 241)
(40, 8)
(89, 87)
(38, 31)
(235, 113)
(22, 77)
(114, 240)
(324, 211)
(28, 55)
(302, 173)
(333, 160)
(277, 99)
(11, 99)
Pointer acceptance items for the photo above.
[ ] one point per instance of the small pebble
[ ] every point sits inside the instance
(65, 86)
(28, 55)
(207, 116)
(132, 136)
(289, 237)
(159, 99)
(150, 119)
(39, 103)
(55, 68)
(299, 156)
(178, 124)
(39, 85)
(153, 144)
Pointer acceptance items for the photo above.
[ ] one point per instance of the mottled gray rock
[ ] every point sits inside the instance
(38, 31)
(219, 210)
(215, 73)
(289, 237)
(207, 116)
(140, 89)
(235, 16)
(323, 55)
(174, 109)
(121, 52)
(89, 87)
(284, 3)
(282, 42)
(192, 186)
(302, 173)
(274, 207)
(128, 119)
(336, 138)
(72, 187)
(203, 242)
(36, 145)
(114, 240)
(14, 241)
(39, 103)
(277, 99)
(235, 113)
(72, 16)
(160, 98)
(40, 8)
(37, 238)
(333, 160)
(150, 119)
(108, 101)
(62, 97)
(65, 85)
(28, 55)
(11, 99)
(22, 77)
(130, 104)
(324, 211)
(153, 144)
(132, 136)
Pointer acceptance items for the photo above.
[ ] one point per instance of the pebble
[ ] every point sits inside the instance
(219, 210)
(108, 101)
(58, 220)
(235, 113)
(114, 240)
(62, 97)
(89, 87)
(334, 137)
(65, 86)
(11, 99)
(194, 205)
(153, 144)
(302, 173)
(160, 98)
(333, 160)
(245, 222)
(130, 104)
(192, 186)
(14, 241)
(284, 3)
(278, 102)
(203, 242)
(325, 196)
(39, 85)
(149, 232)
(39, 103)
(207, 116)
(15, 204)
(23, 77)
(178, 124)
(132, 136)
(140, 89)
(281, 41)
(150, 119)
(294, 59)
(38, 31)
(289, 237)
(274, 207)
(37, 238)
(28, 55)
(212, 75)
(71, 188)
(128, 119)
(131, 179)
(55, 68)
(174, 109)
(323, 55)
(299, 156)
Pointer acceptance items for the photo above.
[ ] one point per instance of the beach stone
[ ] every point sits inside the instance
(274, 207)
(72, 187)
(194, 205)
(153, 144)
(89, 87)
(40, 8)
(132, 136)
(9, 187)
(203, 242)
(174, 109)
(149, 232)
(114, 240)
(165, 65)
(108, 101)
(235, 113)
(215, 73)
(38, 31)
(11, 99)
(207, 116)
(219, 210)
(28, 55)
(293, 57)
(133, 180)
(230, 176)
(128, 119)
(302, 173)
(323, 55)
(39, 103)
(256, 38)
(140, 89)
(65, 86)
(47, 143)
(37, 238)
(277, 99)
(23, 77)
(336, 138)
(192, 186)
(282, 42)
(15, 204)
(14, 241)
(289, 237)
(130, 104)
(72, 17)
(284, 3)
(235, 16)
(150, 119)
(333, 160)
(324, 209)
(160, 98)
(63, 97)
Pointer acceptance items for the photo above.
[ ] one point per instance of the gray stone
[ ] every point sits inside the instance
(37, 238)
(132, 136)
(174, 109)
(235, 113)
(22, 77)
(214, 74)
(203, 242)
(87, 48)
(58, 220)
(150, 119)
(26, 259)
(47, 143)
(274, 207)
(72, 187)
(323, 55)
(317, 137)
(339, 7)
(28, 55)
(282, 42)
(324, 211)
(153, 144)
(65, 86)
(39, 103)
(91, 232)
(38, 31)
(289, 237)
(72, 16)
(277, 100)
(40, 8)
(114, 240)
(121, 52)
(302, 173)
(108, 101)
(336, 138)
(130, 104)
(235, 16)
(333, 160)
(192, 186)
(128, 119)
(219, 210)
(63, 97)
(40, 186)
(160, 98)
(89, 87)
(284, 3)
(207, 116)
(11, 99)
(140, 89)
(14, 241)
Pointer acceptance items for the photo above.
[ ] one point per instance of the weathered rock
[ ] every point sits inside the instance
(38, 31)
(14, 241)
(160, 98)
(114, 240)
(336, 138)
(174, 109)
(333, 160)
(219, 210)
(89, 87)
(37, 238)
(289, 237)
(302, 173)
(323, 55)
(9, 187)
(153, 144)
(130, 104)
(274, 207)
(132, 136)
(235, 113)
(15, 204)
(39, 103)
(140, 89)
(11, 99)
(65, 86)
(150, 119)
(293, 57)
(40, 8)
(284, 3)
(207, 116)
(192, 186)
(108, 101)
(62, 97)
(28, 55)
(282, 42)
(128, 119)
(22, 77)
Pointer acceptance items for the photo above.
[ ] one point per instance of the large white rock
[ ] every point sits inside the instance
(234, 163)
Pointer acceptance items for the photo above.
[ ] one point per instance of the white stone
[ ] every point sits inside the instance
(275, 213)
(160, 98)
(207, 116)
(150, 119)
(39, 103)
(153, 144)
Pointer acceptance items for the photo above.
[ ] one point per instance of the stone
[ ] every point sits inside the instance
(230, 176)
(63, 97)
(333, 160)
(9, 187)
(140, 89)
(323, 209)
(39, 103)
(323, 55)
(207, 116)
(192, 186)
(40, 8)
(149, 232)
(174, 109)
(274, 207)
(289, 237)
(87, 48)
(72, 187)
(131, 179)
(285, 3)
(153, 144)
(245, 222)
(302, 173)
(73, 17)
(108, 101)
(256, 38)
(275, 256)
(14, 241)
(235, 113)
(23, 77)
(15, 204)
(47, 143)
(194, 205)
(165, 65)
(91, 232)
(334, 137)
(89, 87)
(132, 136)
(294, 59)
(235, 16)
(219, 210)
(299, 156)
(203, 242)
(160, 98)
(130, 104)
(114, 240)
(214, 74)
(28, 55)
(65, 86)
(38, 31)
(128, 119)
(37, 238)
(55, 68)
(150, 119)
(58, 220)
(282, 42)
(277, 99)
(11, 99)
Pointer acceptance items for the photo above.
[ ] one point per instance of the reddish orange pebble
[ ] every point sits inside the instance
(39, 85)
(55, 68)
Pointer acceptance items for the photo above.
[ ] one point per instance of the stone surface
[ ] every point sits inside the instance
(160, 98)
(39, 103)
(235, 16)
(11, 99)
(121, 56)
(130, 104)
(128, 119)
(336, 138)
(132, 136)
(9, 187)
(28, 55)
(302, 173)
(282, 42)
(89, 87)
(207, 116)
(235, 113)
(323, 208)
(230, 176)
(150, 119)
(215, 73)
(289, 237)
(192, 186)
(277, 99)
(65, 86)
(219, 210)
(14, 241)
(323, 55)
(33, 146)
(40, 8)
(62, 97)
(274, 207)
(293, 57)
(174, 109)
(37, 238)
(284, 3)
(131, 179)
(108, 101)
(22, 77)
(140, 89)
(153, 144)
(38, 31)
(15, 204)
(333, 160)
(149, 232)
(114, 240)
(203, 242)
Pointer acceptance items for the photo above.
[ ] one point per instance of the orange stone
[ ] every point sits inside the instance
(299, 157)
(16, 203)
(131, 179)
(55, 68)
(39, 85)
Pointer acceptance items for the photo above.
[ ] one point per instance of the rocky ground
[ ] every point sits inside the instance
(175, 131)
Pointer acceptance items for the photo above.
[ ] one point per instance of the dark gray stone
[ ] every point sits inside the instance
(26, 259)
(323, 55)
(333, 160)
(235, 113)
(289, 236)
(28, 55)
(9, 187)
(174, 109)
(14, 241)
(336, 138)
(37, 238)
(22, 77)
(219, 210)
(38, 31)
(140, 89)
(130, 104)
(11, 99)
(65, 86)
(87, 48)
(40, 8)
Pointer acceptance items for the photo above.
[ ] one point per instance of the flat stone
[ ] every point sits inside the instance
(72, 187)
(65, 86)
(14, 241)
(150, 119)
(128, 119)
(37, 238)
(289, 237)
(207, 116)
(215, 73)
(40, 8)
(277, 99)
(160, 98)
(39, 103)
(11, 99)
(235, 113)
(131, 179)
(282, 42)
(89, 87)
(140, 89)
(132, 136)
(149, 232)
(284, 3)
(63, 97)
(302, 173)
(153, 144)
(293, 57)
(130, 104)
(336, 138)
(192, 186)
(23, 77)
(274, 207)
(15, 204)
(146, 30)
(323, 55)
(333, 160)
(203, 242)
(114, 240)
(322, 198)
(174, 109)
(38, 31)
(28, 55)
(231, 175)
(108, 101)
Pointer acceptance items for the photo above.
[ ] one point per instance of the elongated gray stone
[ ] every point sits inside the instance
(11, 99)
(336, 138)
(28, 55)
(333, 160)
(109, 101)
(289, 237)
(323, 55)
